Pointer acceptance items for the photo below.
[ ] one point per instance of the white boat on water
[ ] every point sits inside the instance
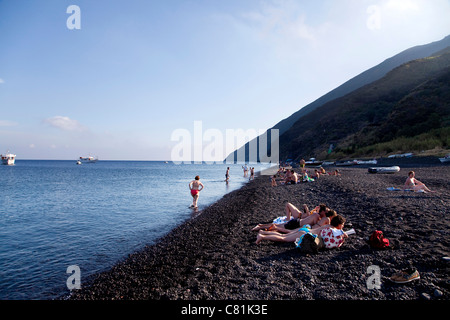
(366, 161)
(89, 159)
(8, 159)
(445, 159)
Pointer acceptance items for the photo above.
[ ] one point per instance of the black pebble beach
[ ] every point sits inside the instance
(214, 256)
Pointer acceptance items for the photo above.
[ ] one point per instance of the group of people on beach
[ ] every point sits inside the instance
(287, 176)
(321, 221)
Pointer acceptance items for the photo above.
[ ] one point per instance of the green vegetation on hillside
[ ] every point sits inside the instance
(408, 110)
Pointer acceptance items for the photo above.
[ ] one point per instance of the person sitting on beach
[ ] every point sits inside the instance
(337, 223)
(195, 186)
(335, 173)
(412, 183)
(333, 236)
(316, 174)
(287, 176)
(292, 177)
(306, 178)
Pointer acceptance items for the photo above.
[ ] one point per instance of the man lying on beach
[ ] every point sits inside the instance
(318, 217)
(337, 223)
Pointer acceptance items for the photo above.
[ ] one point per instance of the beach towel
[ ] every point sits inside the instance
(397, 189)
(281, 220)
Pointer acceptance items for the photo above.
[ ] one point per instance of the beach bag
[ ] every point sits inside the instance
(378, 241)
(309, 243)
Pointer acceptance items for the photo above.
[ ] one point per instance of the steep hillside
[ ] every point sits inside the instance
(410, 100)
(367, 77)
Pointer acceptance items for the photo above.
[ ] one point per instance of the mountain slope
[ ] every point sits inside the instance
(357, 82)
(410, 100)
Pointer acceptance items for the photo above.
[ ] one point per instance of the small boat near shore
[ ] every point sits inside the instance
(445, 159)
(8, 159)
(392, 169)
(356, 162)
(313, 162)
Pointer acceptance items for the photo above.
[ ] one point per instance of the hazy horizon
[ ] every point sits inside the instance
(121, 82)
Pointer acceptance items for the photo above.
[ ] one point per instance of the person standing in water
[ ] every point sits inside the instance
(195, 186)
(227, 175)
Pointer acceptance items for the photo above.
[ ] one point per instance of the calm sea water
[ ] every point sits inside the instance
(54, 214)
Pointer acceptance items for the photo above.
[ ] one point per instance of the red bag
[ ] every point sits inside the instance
(378, 241)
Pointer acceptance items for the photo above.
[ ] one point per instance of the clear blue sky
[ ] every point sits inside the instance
(138, 70)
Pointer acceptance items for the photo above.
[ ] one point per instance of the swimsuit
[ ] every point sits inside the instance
(194, 192)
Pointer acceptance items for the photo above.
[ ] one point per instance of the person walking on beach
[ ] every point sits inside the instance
(412, 183)
(195, 186)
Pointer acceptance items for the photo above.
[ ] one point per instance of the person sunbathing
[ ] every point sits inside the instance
(336, 223)
(312, 221)
(296, 218)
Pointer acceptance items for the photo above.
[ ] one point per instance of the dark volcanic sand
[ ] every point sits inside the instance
(214, 257)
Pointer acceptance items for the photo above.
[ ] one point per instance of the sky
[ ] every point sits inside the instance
(119, 79)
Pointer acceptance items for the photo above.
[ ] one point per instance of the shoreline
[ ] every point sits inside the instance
(213, 255)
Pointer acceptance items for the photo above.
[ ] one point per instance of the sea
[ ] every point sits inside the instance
(56, 215)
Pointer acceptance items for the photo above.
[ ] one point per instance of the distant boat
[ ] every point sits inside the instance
(89, 159)
(366, 161)
(445, 159)
(346, 163)
(313, 162)
(78, 162)
(8, 159)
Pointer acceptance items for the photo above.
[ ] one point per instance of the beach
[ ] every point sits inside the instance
(213, 256)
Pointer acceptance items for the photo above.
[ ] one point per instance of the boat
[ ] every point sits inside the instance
(89, 159)
(8, 159)
(313, 162)
(445, 159)
(78, 162)
(392, 169)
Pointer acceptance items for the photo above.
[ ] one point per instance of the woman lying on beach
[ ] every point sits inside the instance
(194, 186)
(329, 233)
(316, 218)
(412, 183)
